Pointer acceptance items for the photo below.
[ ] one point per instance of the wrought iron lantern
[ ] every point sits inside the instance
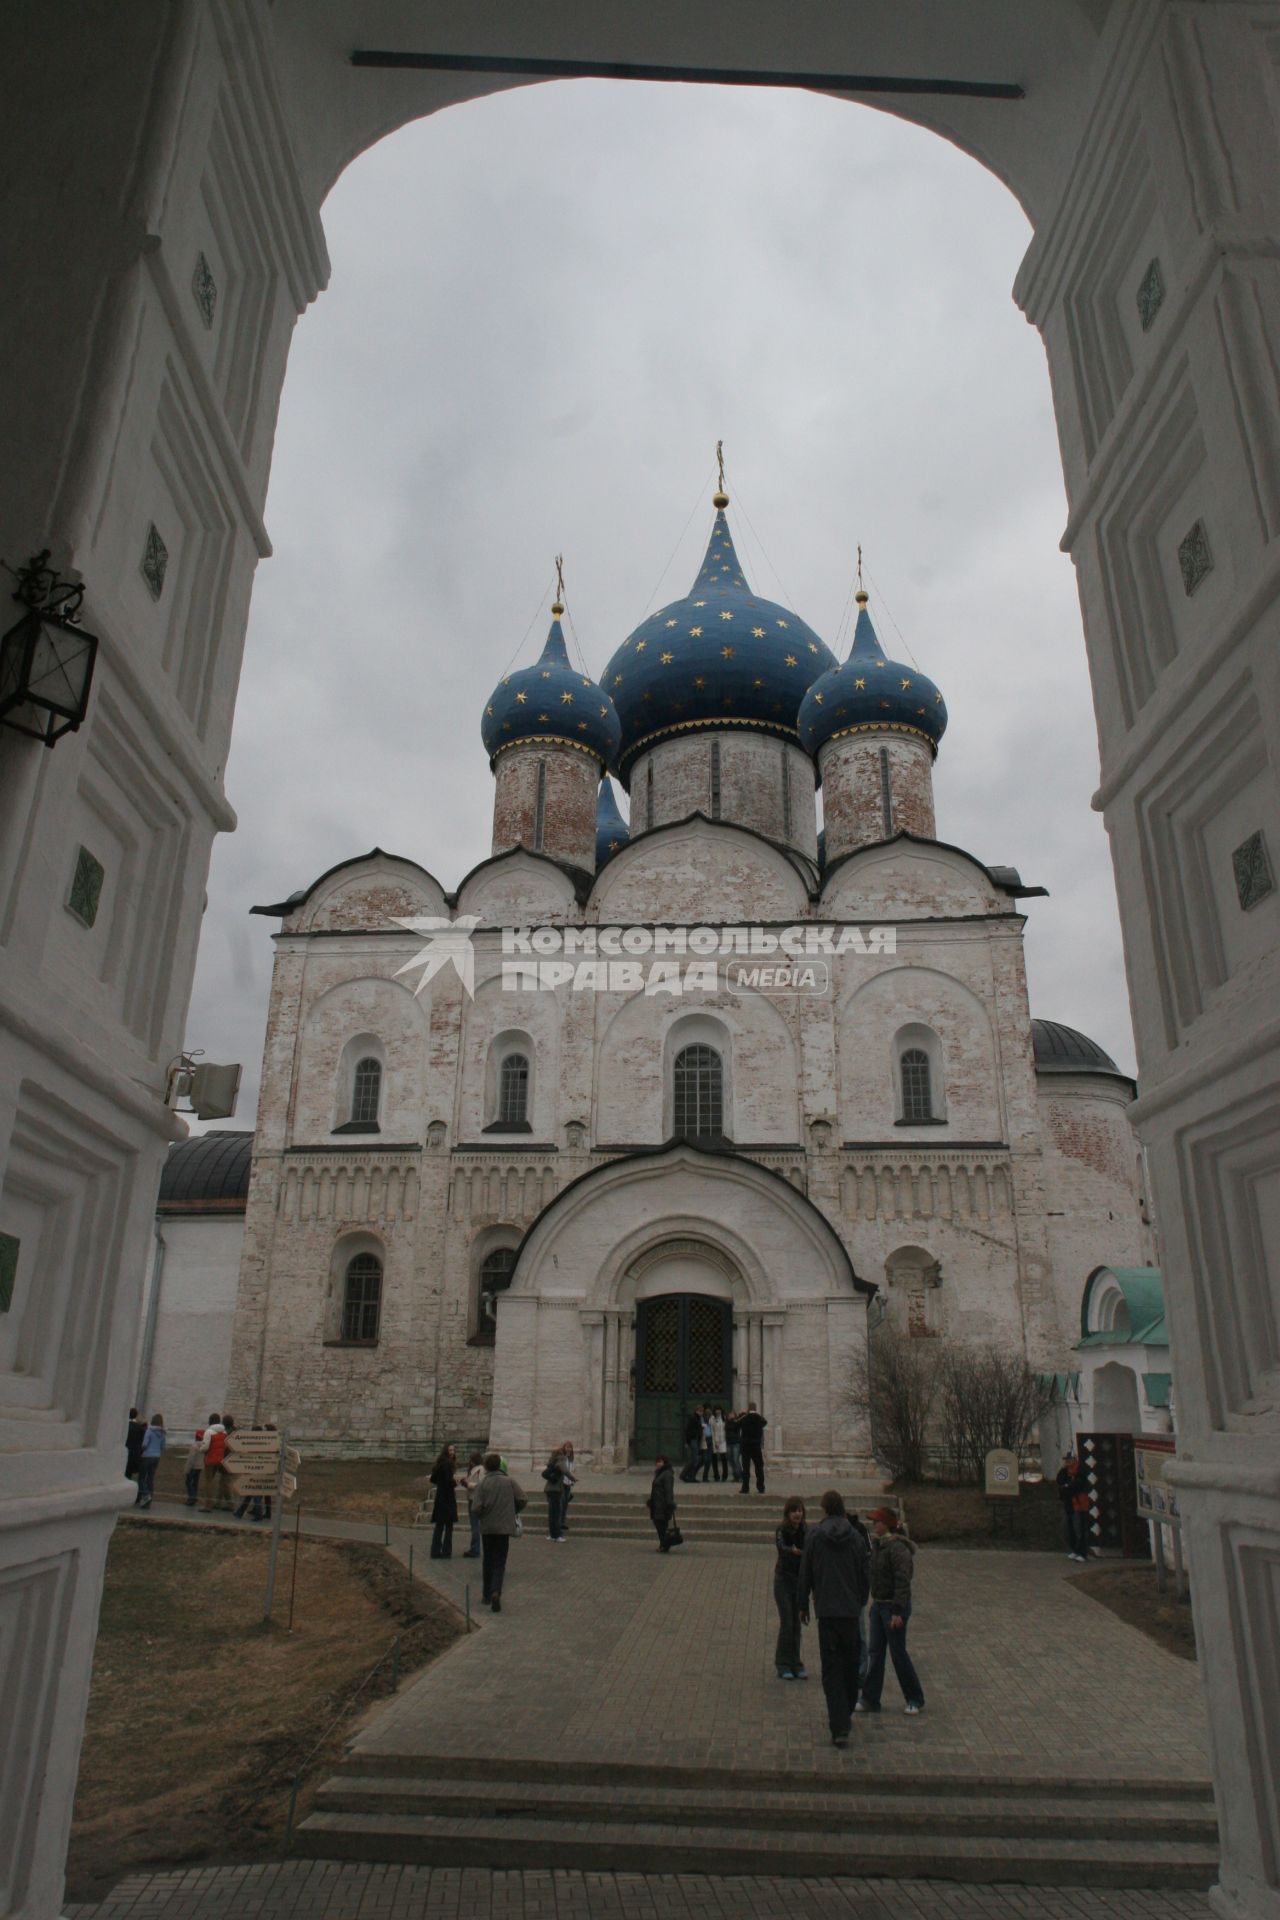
(46, 661)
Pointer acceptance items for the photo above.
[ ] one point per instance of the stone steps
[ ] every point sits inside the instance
(615, 1818)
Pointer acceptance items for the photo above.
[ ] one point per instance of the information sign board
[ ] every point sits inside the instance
(1152, 1453)
(1000, 1474)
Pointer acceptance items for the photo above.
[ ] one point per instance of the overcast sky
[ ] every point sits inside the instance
(546, 307)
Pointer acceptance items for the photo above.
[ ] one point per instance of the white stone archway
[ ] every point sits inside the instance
(680, 1220)
(1146, 151)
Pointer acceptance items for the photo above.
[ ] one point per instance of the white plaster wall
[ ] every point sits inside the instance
(191, 1350)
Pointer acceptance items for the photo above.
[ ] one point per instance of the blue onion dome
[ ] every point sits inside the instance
(721, 657)
(870, 693)
(612, 831)
(551, 701)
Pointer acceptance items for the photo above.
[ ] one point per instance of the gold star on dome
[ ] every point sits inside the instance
(879, 663)
(582, 726)
(666, 658)
(859, 686)
(817, 699)
(641, 645)
(791, 660)
(646, 695)
(757, 682)
(506, 679)
(614, 845)
(727, 652)
(546, 673)
(699, 603)
(696, 632)
(604, 713)
(726, 615)
(757, 633)
(489, 709)
(937, 699)
(781, 623)
(906, 686)
(671, 623)
(586, 683)
(920, 710)
(812, 647)
(699, 682)
(544, 717)
(617, 679)
(521, 698)
(506, 726)
(884, 703)
(566, 699)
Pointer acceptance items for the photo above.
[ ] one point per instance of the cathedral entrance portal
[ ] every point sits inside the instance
(684, 1359)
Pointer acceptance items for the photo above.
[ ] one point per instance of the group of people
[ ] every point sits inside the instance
(725, 1446)
(143, 1445)
(208, 1479)
(854, 1576)
(495, 1502)
(558, 1478)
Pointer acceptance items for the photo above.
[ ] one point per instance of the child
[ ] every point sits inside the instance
(195, 1460)
(152, 1447)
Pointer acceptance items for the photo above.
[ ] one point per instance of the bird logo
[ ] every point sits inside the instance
(448, 944)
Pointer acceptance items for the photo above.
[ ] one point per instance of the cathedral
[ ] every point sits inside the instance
(644, 1113)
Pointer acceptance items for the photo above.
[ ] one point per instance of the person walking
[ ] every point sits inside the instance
(570, 1482)
(444, 1514)
(789, 1540)
(751, 1430)
(662, 1502)
(834, 1578)
(719, 1445)
(553, 1477)
(499, 1501)
(153, 1440)
(1073, 1491)
(706, 1454)
(134, 1435)
(733, 1441)
(892, 1565)
(195, 1460)
(471, 1480)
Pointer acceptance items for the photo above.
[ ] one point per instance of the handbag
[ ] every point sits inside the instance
(674, 1536)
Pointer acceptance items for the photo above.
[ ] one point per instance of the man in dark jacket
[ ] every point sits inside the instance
(692, 1443)
(834, 1573)
(892, 1565)
(499, 1499)
(751, 1436)
(1073, 1491)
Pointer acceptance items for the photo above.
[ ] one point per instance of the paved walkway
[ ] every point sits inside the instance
(321, 1890)
(608, 1650)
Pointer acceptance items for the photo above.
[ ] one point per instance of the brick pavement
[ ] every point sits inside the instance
(323, 1890)
(609, 1651)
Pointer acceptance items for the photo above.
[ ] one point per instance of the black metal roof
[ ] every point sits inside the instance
(1060, 1049)
(207, 1174)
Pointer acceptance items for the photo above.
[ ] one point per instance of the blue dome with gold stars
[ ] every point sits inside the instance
(721, 657)
(869, 693)
(551, 701)
(612, 831)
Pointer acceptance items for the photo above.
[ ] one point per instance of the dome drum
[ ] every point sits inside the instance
(752, 780)
(875, 784)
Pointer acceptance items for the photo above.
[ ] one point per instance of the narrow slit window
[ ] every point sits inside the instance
(513, 1090)
(366, 1092)
(362, 1299)
(786, 795)
(715, 779)
(886, 794)
(540, 808)
(698, 1092)
(917, 1091)
(648, 795)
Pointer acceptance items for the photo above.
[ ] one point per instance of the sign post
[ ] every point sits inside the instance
(262, 1463)
(1000, 1482)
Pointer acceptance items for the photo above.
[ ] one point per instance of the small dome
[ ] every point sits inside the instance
(207, 1174)
(869, 693)
(721, 657)
(551, 701)
(1060, 1049)
(612, 831)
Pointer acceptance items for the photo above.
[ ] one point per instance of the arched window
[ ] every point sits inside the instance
(362, 1299)
(513, 1090)
(496, 1270)
(917, 1089)
(366, 1092)
(698, 1092)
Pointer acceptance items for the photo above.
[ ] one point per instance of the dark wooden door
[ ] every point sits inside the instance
(684, 1359)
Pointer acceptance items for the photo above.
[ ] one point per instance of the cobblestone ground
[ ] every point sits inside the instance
(320, 1890)
(607, 1650)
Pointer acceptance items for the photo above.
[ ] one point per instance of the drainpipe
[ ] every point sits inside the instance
(149, 1326)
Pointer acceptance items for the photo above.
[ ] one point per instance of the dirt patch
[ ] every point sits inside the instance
(200, 1714)
(961, 1517)
(371, 1490)
(1130, 1592)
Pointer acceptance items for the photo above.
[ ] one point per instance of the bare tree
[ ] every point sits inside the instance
(987, 1397)
(898, 1385)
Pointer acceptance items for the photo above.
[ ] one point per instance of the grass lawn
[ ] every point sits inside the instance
(200, 1714)
(351, 1489)
(1128, 1588)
